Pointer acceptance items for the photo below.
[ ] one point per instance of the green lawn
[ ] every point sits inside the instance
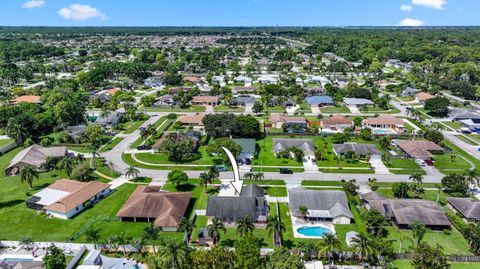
(465, 139)
(321, 183)
(79, 149)
(163, 121)
(444, 162)
(475, 137)
(103, 168)
(134, 126)
(111, 144)
(128, 159)
(160, 158)
(199, 197)
(409, 164)
(276, 191)
(376, 109)
(166, 109)
(230, 237)
(335, 109)
(4, 142)
(265, 182)
(453, 244)
(406, 264)
(224, 108)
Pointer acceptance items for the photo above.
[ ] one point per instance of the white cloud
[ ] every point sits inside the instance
(406, 8)
(410, 22)
(77, 12)
(437, 4)
(33, 4)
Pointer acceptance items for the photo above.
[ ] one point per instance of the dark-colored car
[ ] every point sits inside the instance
(286, 171)
(248, 161)
(144, 147)
(220, 168)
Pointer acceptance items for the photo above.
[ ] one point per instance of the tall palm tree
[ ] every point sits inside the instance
(123, 240)
(402, 236)
(275, 226)
(173, 253)
(244, 225)
(28, 174)
(151, 233)
(303, 211)
(205, 179)
(215, 228)
(329, 245)
(187, 226)
(418, 232)
(364, 246)
(67, 165)
(93, 235)
(112, 242)
(132, 172)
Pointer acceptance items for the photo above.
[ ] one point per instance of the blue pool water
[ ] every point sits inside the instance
(381, 131)
(315, 231)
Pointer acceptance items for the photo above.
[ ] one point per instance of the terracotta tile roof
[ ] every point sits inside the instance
(193, 79)
(192, 120)
(275, 118)
(205, 99)
(112, 91)
(423, 96)
(35, 99)
(383, 120)
(167, 208)
(82, 192)
(336, 119)
(418, 148)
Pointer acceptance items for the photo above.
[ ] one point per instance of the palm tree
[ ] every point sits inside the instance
(173, 252)
(151, 233)
(112, 242)
(95, 155)
(364, 246)
(244, 225)
(205, 179)
(187, 226)
(275, 226)
(26, 242)
(131, 172)
(417, 180)
(329, 245)
(138, 244)
(215, 228)
(304, 212)
(80, 158)
(439, 190)
(111, 166)
(123, 240)
(402, 236)
(67, 165)
(27, 174)
(92, 235)
(418, 232)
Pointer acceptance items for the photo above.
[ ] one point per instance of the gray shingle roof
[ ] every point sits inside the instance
(360, 149)
(306, 145)
(466, 206)
(335, 202)
(248, 145)
(357, 101)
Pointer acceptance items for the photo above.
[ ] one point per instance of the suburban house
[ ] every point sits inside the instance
(193, 79)
(194, 121)
(467, 207)
(341, 82)
(291, 124)
(408, 91)
(150, 204)
(469, 119)
(385, 124)
(34, 156)
(404, 212)
(336, 122)
(319, 80)
(250, 203)
(421, 97)
(95, 260)
(109, 121)
(282, 144)
(245, 89)
(268, 79)
(247, 81)
(248, 146)
(33, 99)
(361, 150)
(153, 82)
(244, 100)
(220, 80)
(75, 132)
(419, 149)
(165, 101)
(205, 100)
(322, 205)
(357, 102)
(320, 100)
(65, 198)
(194, 136)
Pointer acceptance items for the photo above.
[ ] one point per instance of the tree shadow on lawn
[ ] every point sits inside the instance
(11, 203)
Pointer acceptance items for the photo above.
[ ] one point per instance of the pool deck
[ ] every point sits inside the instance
(299, 223)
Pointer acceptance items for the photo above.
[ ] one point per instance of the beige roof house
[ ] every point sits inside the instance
(34, 156)
(34, 99)
(336, 121)
(192, 120)
(385, 121)
(423, 96)
(419, 149)
(164, 209)
(205, 100)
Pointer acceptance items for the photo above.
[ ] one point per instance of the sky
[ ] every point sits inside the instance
(239, 12)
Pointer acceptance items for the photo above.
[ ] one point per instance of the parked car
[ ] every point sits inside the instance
(110, 133)
(220, 168)
(286, 171)
(248, 161)
(420, 162)
(429, 162)
(144, 147)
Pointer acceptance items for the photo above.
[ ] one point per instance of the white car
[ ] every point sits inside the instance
(420, 162)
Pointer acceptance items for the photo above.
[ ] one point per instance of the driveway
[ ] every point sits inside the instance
(309, 165)
(316, 110)
(354, 109)
(431, 170)
(377, 164)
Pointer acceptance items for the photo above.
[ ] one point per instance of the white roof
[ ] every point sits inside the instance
(49, 196)
(314, 265)
(88, 267)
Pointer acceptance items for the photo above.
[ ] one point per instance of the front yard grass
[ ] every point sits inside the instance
(224, 108)
(111, 144)
(4, 142)
(334, 109)
(406, 264)
(276, 191)
(168, 109)
(444, 162)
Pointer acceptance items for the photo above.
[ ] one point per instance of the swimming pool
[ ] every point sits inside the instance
(314, 231)
(382, 131)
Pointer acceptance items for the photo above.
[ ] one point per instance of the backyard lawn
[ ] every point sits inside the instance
(4, 142)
